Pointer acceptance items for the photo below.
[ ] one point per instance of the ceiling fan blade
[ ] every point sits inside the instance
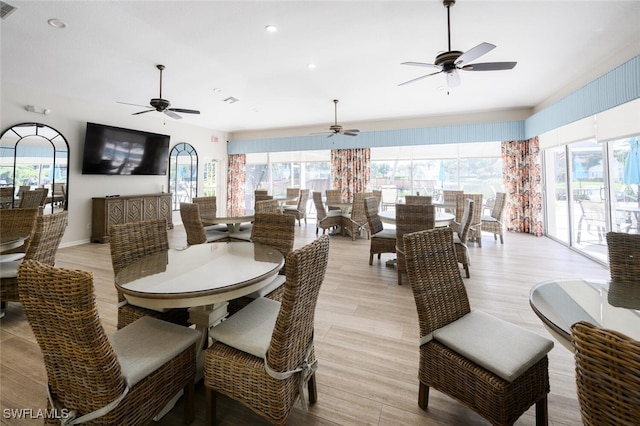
(172, 114)
(419, 78)
(453, 79)
(352, 131)
(184, 111)
(349, 133)
(474, 53)
(421, 64)
(138, 105)
(142, 112)
(331, 135)
(489, 66)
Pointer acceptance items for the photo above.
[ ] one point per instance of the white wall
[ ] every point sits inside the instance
(69, 117)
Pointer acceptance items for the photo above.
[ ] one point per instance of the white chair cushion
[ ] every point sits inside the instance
(499, 346)
(9, 269)
(274, 284)
(334, 213)
(11, 257)
(488, 219)
(249, 330)
(385, 233)
(148, 343)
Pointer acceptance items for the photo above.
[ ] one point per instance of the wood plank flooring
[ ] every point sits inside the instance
(366, 335)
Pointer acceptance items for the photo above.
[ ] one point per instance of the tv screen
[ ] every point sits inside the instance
(112, 150)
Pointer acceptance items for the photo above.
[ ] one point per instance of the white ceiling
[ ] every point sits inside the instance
(109, 51)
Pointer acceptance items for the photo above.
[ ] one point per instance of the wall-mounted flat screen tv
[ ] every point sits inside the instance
(112, 150)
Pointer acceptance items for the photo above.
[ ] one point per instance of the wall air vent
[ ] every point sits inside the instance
(230, 100)
(6, 9)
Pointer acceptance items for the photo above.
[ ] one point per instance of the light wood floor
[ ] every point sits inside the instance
(366, 335)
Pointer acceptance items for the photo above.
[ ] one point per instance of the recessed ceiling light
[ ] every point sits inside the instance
(57, 23)
(271, 28)
(311, 66)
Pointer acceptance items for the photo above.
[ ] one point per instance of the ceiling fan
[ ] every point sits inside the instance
(162, 105)
(335, 128)
(453, 60)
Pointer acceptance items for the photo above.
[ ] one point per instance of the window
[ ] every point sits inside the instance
(183, 174)
(34, 155)
(427, 169)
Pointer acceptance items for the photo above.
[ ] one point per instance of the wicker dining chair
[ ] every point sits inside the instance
(300, 210)
(382, 240)
(475, 228)
(278, 231)
(130, 242)
(260, 192)
(195, 230)
(291, 193)
(495, 368)
(334, 196)
(607, 375)
(43, 242)
(453, 196)
(411, 218)
(493, 222)
(461, 233)
(18, 222)
(378, 194)
(267, 206)
(263, 356)
(7, 194)
(356, 222)
(208, 206)
(130, 376)
(417, 199)
(624, 257)
(325, 220)
(33, 199)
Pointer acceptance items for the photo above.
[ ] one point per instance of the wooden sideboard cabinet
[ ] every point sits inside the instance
(107, 211)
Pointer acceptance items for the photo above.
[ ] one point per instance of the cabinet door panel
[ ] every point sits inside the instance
(165, 210)
(150, 208)
(115, 213)
(133, 210)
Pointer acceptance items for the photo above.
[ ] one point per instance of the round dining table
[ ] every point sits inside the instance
(442, 219)
(561, 303)
(233, 221)
(200, 277)
(10, 241)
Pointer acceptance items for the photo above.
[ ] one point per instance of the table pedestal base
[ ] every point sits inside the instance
(205, 317)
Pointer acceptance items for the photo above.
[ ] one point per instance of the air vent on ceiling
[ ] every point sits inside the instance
(6, 9)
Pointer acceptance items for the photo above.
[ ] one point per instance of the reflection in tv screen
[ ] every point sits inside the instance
(112, 150)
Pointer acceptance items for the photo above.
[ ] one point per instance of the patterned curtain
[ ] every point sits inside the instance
(236, 176)
(351, 171)
(522, 174)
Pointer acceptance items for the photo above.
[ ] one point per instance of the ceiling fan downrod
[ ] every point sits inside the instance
(448, 4)
(161, 68)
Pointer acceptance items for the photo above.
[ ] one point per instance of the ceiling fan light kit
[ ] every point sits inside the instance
(160, 104)
(451, 61)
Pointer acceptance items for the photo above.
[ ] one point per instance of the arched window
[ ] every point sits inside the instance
(34, 155)
(183, 174)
